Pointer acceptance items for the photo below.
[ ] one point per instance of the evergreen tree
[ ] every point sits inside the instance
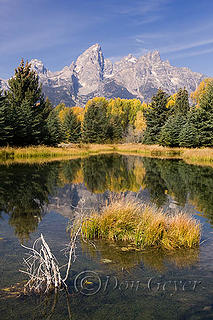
(5, 119)
(206, 100)
(55, 132)
(72, 127)
(169, 135)
(156, 115)
(205, 117)
(25, 125)
(24, 85)
(182, 102)
(96, 123)
(188, 136)
(204, 127)
(115, 129)
(200, 119)
(26, 99)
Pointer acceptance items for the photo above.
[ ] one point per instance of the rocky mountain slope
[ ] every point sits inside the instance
(3, 85)
(92, 75)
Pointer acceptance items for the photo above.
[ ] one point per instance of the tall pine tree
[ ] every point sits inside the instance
(5, 122)
(200, 119)
(25, 98)
(169, 135)
(156, 115)
(188, 136)
(205, 117)
(55, 133)
(182, 102)
(96, 123)
(72, 127)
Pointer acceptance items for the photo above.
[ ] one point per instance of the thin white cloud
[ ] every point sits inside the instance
(151, 36)
(144, 7)
(193, 54)
(147, 19)
(139, 40)
(195, 30)
(182, 47)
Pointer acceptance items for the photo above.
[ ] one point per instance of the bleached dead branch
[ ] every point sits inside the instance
(42, 267)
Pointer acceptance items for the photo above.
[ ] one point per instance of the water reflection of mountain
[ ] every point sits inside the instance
(28, 191)
(71, 196)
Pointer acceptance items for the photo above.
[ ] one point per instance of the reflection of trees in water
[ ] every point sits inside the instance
(161, 177)
(154, 182)
(182, 181)
(199, 181)
(24, 189)
(112, 172)
(70, 172)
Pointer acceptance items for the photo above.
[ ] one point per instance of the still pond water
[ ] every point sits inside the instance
(121, 284)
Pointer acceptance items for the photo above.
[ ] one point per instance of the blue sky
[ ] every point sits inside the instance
(57, 31)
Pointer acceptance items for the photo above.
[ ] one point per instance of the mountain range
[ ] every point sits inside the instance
(93, 75)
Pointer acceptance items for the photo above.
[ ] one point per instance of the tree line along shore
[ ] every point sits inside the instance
(30, 126)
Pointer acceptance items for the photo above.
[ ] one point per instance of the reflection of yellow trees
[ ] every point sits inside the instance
(124, 180)
(76, 178)
(70, 172)
(115, 173)
(119, 258)
(79, 177)
(139, 173)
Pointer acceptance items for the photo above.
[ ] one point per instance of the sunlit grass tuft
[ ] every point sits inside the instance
(202, 156)
(142, 226)
(36, 152)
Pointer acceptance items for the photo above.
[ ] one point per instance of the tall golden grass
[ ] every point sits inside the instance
(37, 152)
(142, 226)
(203, 155)
(40, 152)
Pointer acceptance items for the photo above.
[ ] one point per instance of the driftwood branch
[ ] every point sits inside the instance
(42, 267)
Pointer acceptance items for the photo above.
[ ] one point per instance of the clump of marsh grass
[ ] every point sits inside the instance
(142, 226)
